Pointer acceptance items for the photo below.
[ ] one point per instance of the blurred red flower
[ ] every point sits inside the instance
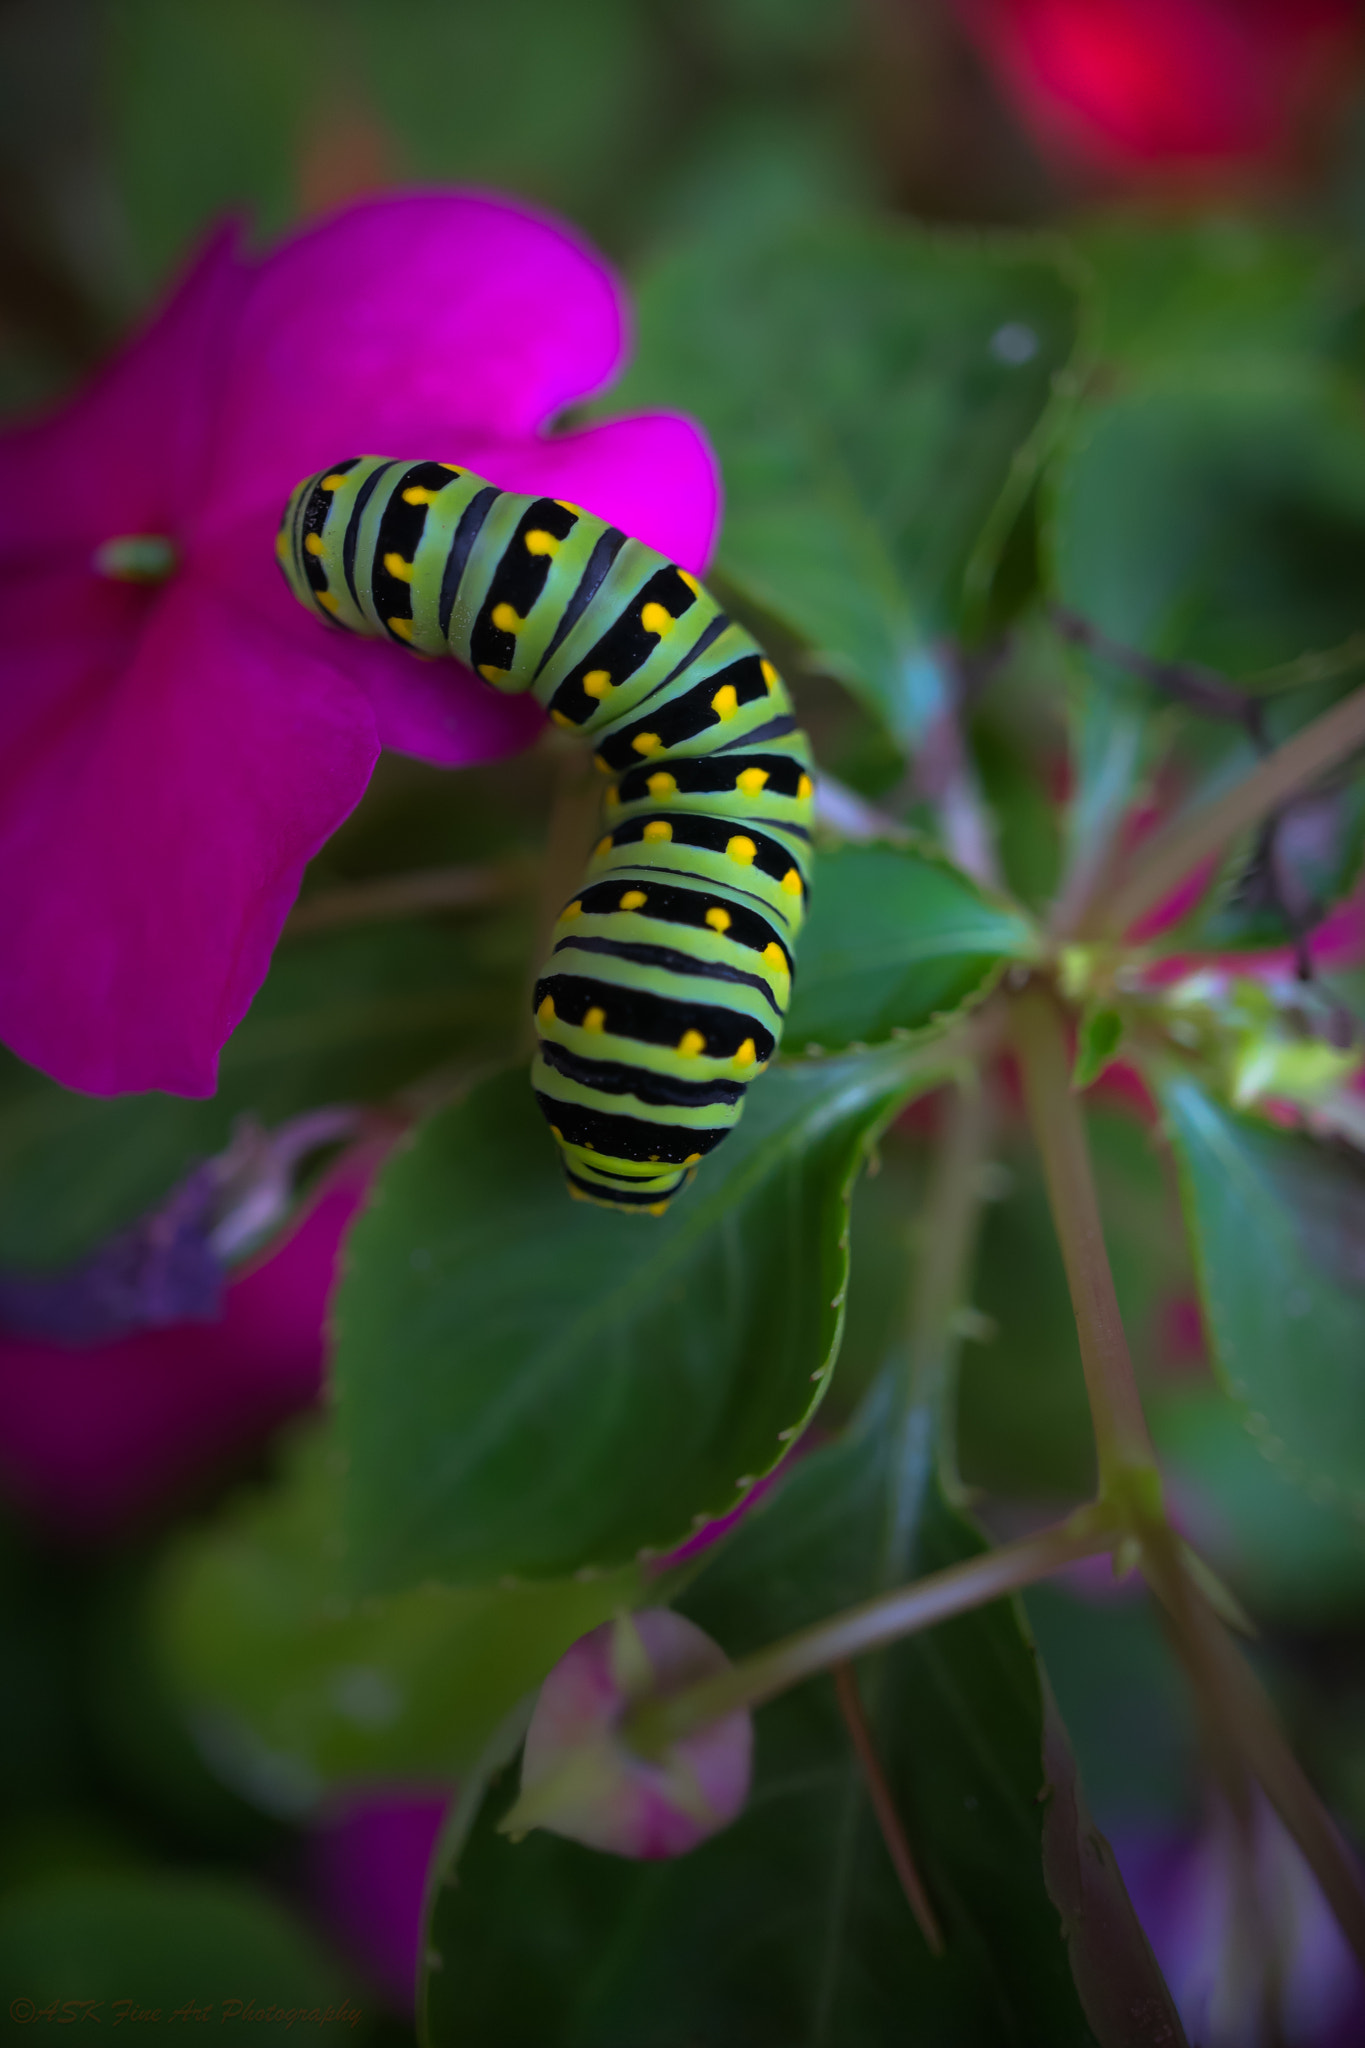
(1136, 87)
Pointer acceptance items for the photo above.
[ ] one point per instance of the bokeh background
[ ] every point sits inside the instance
(126, 127)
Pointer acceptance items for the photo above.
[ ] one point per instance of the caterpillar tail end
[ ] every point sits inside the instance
(640, 1198)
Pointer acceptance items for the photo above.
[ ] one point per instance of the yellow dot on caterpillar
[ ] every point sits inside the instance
(602, 846)
(418, 494)
(402, 627)
(596, 683)
(546, 1013)
(692, 1159)
(400, 570)
(791, 882)
(577, 1194)
(559, 718)
(746, 1055)
(595, 1020)
(658, 829)
(691, 582)
(539, 542)
(453, 467)
(314, 545)
(327, 599)
(661, 784)
(574, 909)
(491, 674)
(565, 506)
(555, 1132)
(656, 618)
(653, 1159)
(741, 849)
(632, 900)
(602, 765)
(690, 1044)
(725, 703)
(751, 780)
(647, 743)
(805, 789)
(612, 798)
(776, 958)
(506, 619)
(719, 920)
(282, 546)
(332, 482)
(770, 675)
(657, 1208)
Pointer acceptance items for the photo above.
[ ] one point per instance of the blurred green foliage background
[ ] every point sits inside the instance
(659, 126)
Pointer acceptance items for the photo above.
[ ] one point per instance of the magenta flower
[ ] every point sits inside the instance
(581, 1778)
(95, 1439)
(367, 1874)
(1192, 1894)
(178, 738)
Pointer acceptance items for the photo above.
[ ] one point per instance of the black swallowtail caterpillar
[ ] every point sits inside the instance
(671, 969)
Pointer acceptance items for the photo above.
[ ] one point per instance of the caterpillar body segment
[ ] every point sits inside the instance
(670, 970)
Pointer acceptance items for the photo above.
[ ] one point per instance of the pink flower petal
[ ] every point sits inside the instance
(91, 1439)
(437, 710)
(367, 1871)
(653, 476)
(407, 312)
(155, 830)
(579, 1776)
(127, 455)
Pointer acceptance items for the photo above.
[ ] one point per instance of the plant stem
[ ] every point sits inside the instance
(1244, 1734)
(1122, 1444)
(884, 1807)
(1169, 857)
(945, 1241)
(871, 1626)
(390, 896)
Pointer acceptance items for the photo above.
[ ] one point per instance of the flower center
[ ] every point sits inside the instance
(136, 558)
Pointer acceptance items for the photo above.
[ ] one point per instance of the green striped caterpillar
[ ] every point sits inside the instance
(670, 971)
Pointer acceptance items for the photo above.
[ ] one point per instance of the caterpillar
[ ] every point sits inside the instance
(670, 971)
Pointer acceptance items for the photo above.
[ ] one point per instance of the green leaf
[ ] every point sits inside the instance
(1116, 1974)
(897, 940)
(1286, 1553)
(1024, 1428)
(292, 1687)
(1097, 1042)
(531, 1385)
(1125, 1700)
(1115, 726)
(1217, 518)
(879, 398)
(590, 92)
(173, 1946)
(1216, 290)
(203, 113)
(345, 1016)
(1278, 1222)
(790, 1927)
